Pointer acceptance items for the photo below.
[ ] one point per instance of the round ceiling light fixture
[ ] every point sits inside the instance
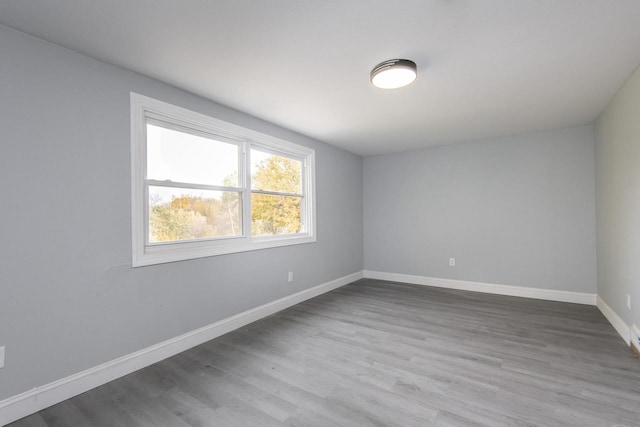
(394, 73)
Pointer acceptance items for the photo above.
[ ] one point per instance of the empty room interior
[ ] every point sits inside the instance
(320, 213)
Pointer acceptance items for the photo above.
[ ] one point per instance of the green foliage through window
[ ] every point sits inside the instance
(189, 217)
(198, 216)
(276, 213)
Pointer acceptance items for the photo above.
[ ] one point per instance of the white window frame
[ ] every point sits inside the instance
(150, 254)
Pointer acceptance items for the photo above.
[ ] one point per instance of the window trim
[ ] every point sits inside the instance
(143, 254)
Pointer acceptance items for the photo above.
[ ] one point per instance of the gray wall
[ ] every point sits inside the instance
(618, 201)
(70, 299)
(515, 211)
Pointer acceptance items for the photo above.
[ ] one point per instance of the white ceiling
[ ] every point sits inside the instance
(485, 68)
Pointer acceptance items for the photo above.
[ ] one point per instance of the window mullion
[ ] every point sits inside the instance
(246, 185)
(303, 201)
(146, 213)
(145, 186)
(175, 184)
(277, 193)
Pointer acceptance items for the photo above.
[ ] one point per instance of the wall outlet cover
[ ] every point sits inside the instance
(628, 302)
(2, 357)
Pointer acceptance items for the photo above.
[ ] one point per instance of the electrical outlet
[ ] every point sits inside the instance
(452, 262)
(2, 357)
(629, 301)
(290, 277)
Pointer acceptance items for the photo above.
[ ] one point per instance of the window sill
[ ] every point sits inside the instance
(161, 254)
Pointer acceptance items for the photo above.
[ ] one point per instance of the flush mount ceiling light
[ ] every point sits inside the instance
(393, 73)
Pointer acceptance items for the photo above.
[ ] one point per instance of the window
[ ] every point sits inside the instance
(204, 187)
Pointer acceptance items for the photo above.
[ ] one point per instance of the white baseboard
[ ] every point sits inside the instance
(630, 335)
(635, 338)
(618, 324)
(34, 400)
(489, 288)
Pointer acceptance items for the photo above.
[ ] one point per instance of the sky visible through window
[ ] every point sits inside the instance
(183, 157)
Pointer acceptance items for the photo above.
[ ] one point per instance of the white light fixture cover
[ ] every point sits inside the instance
(394, 73)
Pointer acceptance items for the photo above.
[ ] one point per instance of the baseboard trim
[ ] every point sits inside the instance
(39, 398)
(618, 324)
(489, 288)
(635, 339)
(630, 335)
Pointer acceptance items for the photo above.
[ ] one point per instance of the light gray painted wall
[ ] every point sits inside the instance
(618, 201)
(515, 211)
(69, 297)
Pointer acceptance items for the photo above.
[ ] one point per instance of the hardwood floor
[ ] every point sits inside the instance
(377, 353)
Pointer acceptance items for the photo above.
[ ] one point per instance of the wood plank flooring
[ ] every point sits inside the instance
(377, 353)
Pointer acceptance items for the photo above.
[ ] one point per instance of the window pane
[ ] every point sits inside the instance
(183, 157)
(183, 214)
(270, 172)
(275, 214)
